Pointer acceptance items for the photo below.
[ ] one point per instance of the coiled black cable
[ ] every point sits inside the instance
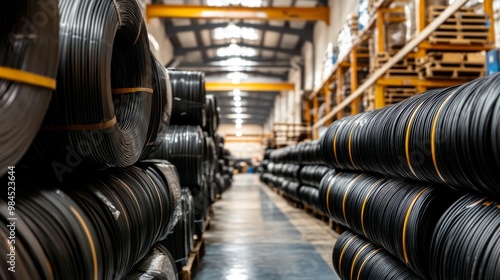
(356, 258)
(465, 242)
(102, 106)
(212, 122)
(158, 264)
(183, 147)
(29, 44)
(161, 108)
(312, 174)
(408, 212)
(448, 136)
(188, 92)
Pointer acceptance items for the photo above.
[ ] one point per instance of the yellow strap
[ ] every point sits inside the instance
(91, 242)
(407, 140)
(366, 259)
(342, 253)
(345, 195)
(356, 258)
(28, 78)
(406, 222)
(433, 137)
(364, 204)
(80, 127)
(130, 90)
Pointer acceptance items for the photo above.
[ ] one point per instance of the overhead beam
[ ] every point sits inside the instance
(183, 51)
(248, 86)
(305, 33)
(283, 76)
(236, 12)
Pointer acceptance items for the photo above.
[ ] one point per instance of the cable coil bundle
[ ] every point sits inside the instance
(27, 78)
(188, 91)
(183, 147)
(449, 136)
(102, 106)
(158, 264)
(213, 120)
(408, 211)
(465, 242)
(355, 258)
(312, 174)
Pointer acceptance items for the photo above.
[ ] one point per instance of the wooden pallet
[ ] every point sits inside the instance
(394, 95)
(188, 271)
(463, 13)
(450, 73)
(453, 59)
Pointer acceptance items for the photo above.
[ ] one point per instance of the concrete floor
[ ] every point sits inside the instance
(255, 234)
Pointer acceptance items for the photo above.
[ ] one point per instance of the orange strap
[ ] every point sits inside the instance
(405, 225)
(91, 242)
(407, 140)
(130, 90)
(80, 127)
(28, 78)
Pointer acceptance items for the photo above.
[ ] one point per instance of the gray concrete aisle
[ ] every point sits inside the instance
(255, 234)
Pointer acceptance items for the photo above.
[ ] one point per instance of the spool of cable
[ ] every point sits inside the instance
(212, 122)
(27, 78)
(445, 136)
(465, 242)
(409, 212)
(312, 174)
(102, 106)
(356, 258)
(188, 91)
(158, 264)
(161, 108)
(183, 147)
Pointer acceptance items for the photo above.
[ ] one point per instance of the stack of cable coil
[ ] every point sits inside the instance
(179, 241)
(96, 228)
(201, 201)
(409, 212)
(290, 171)
(161, 108)
(309, 195)
(188, 92)
(310, 152)
(312, 174)
(101, 108)
(212, 122)
(158, 264)
(465, 242)
(356, 258)
(449, 136)
(28, 67)
(183, 146)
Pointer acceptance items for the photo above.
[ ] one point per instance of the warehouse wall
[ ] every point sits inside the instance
(251, 148)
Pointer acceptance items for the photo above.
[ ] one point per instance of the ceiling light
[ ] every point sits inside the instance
(232, 31)
(239, 133)
(236, 91)
(236, 77)
(236, 61)
(238, 125)
(237, 98)
(245, 3)
(238, 121)
(234, 50)
(238, 110)
(237, 104)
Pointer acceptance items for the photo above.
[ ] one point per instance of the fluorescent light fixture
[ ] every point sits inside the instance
(238, 110)
(238, 125)
(238, 121)
(234, 50)
(236, 91)
(245, 3)
(237, 104)
(236, 61)
(237, 98)
(233, 31)
(239, 133)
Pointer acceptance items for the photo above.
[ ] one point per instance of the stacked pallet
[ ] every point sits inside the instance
(392, 95)
(405, 68)
(451, 65)
(465, 27)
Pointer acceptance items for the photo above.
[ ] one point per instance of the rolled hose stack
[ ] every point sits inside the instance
(356, 258)
(449, 136)
(312, 174)
(102, 105)
(27, 78)
(158, 264)
(213, 120)
(188, 92)
(409, 212)
(95, 228)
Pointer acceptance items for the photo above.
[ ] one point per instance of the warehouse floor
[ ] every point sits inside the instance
(255, 234)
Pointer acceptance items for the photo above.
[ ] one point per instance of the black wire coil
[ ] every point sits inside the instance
(449, 136)
(102, 106)
(188, 91)
(312, 174)
(465, 242)
(212, 119)
(30, 46)
(183, 147)
(161, 108)
(356, 258)
(408, 212)
(158, 264)
(96, 227)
